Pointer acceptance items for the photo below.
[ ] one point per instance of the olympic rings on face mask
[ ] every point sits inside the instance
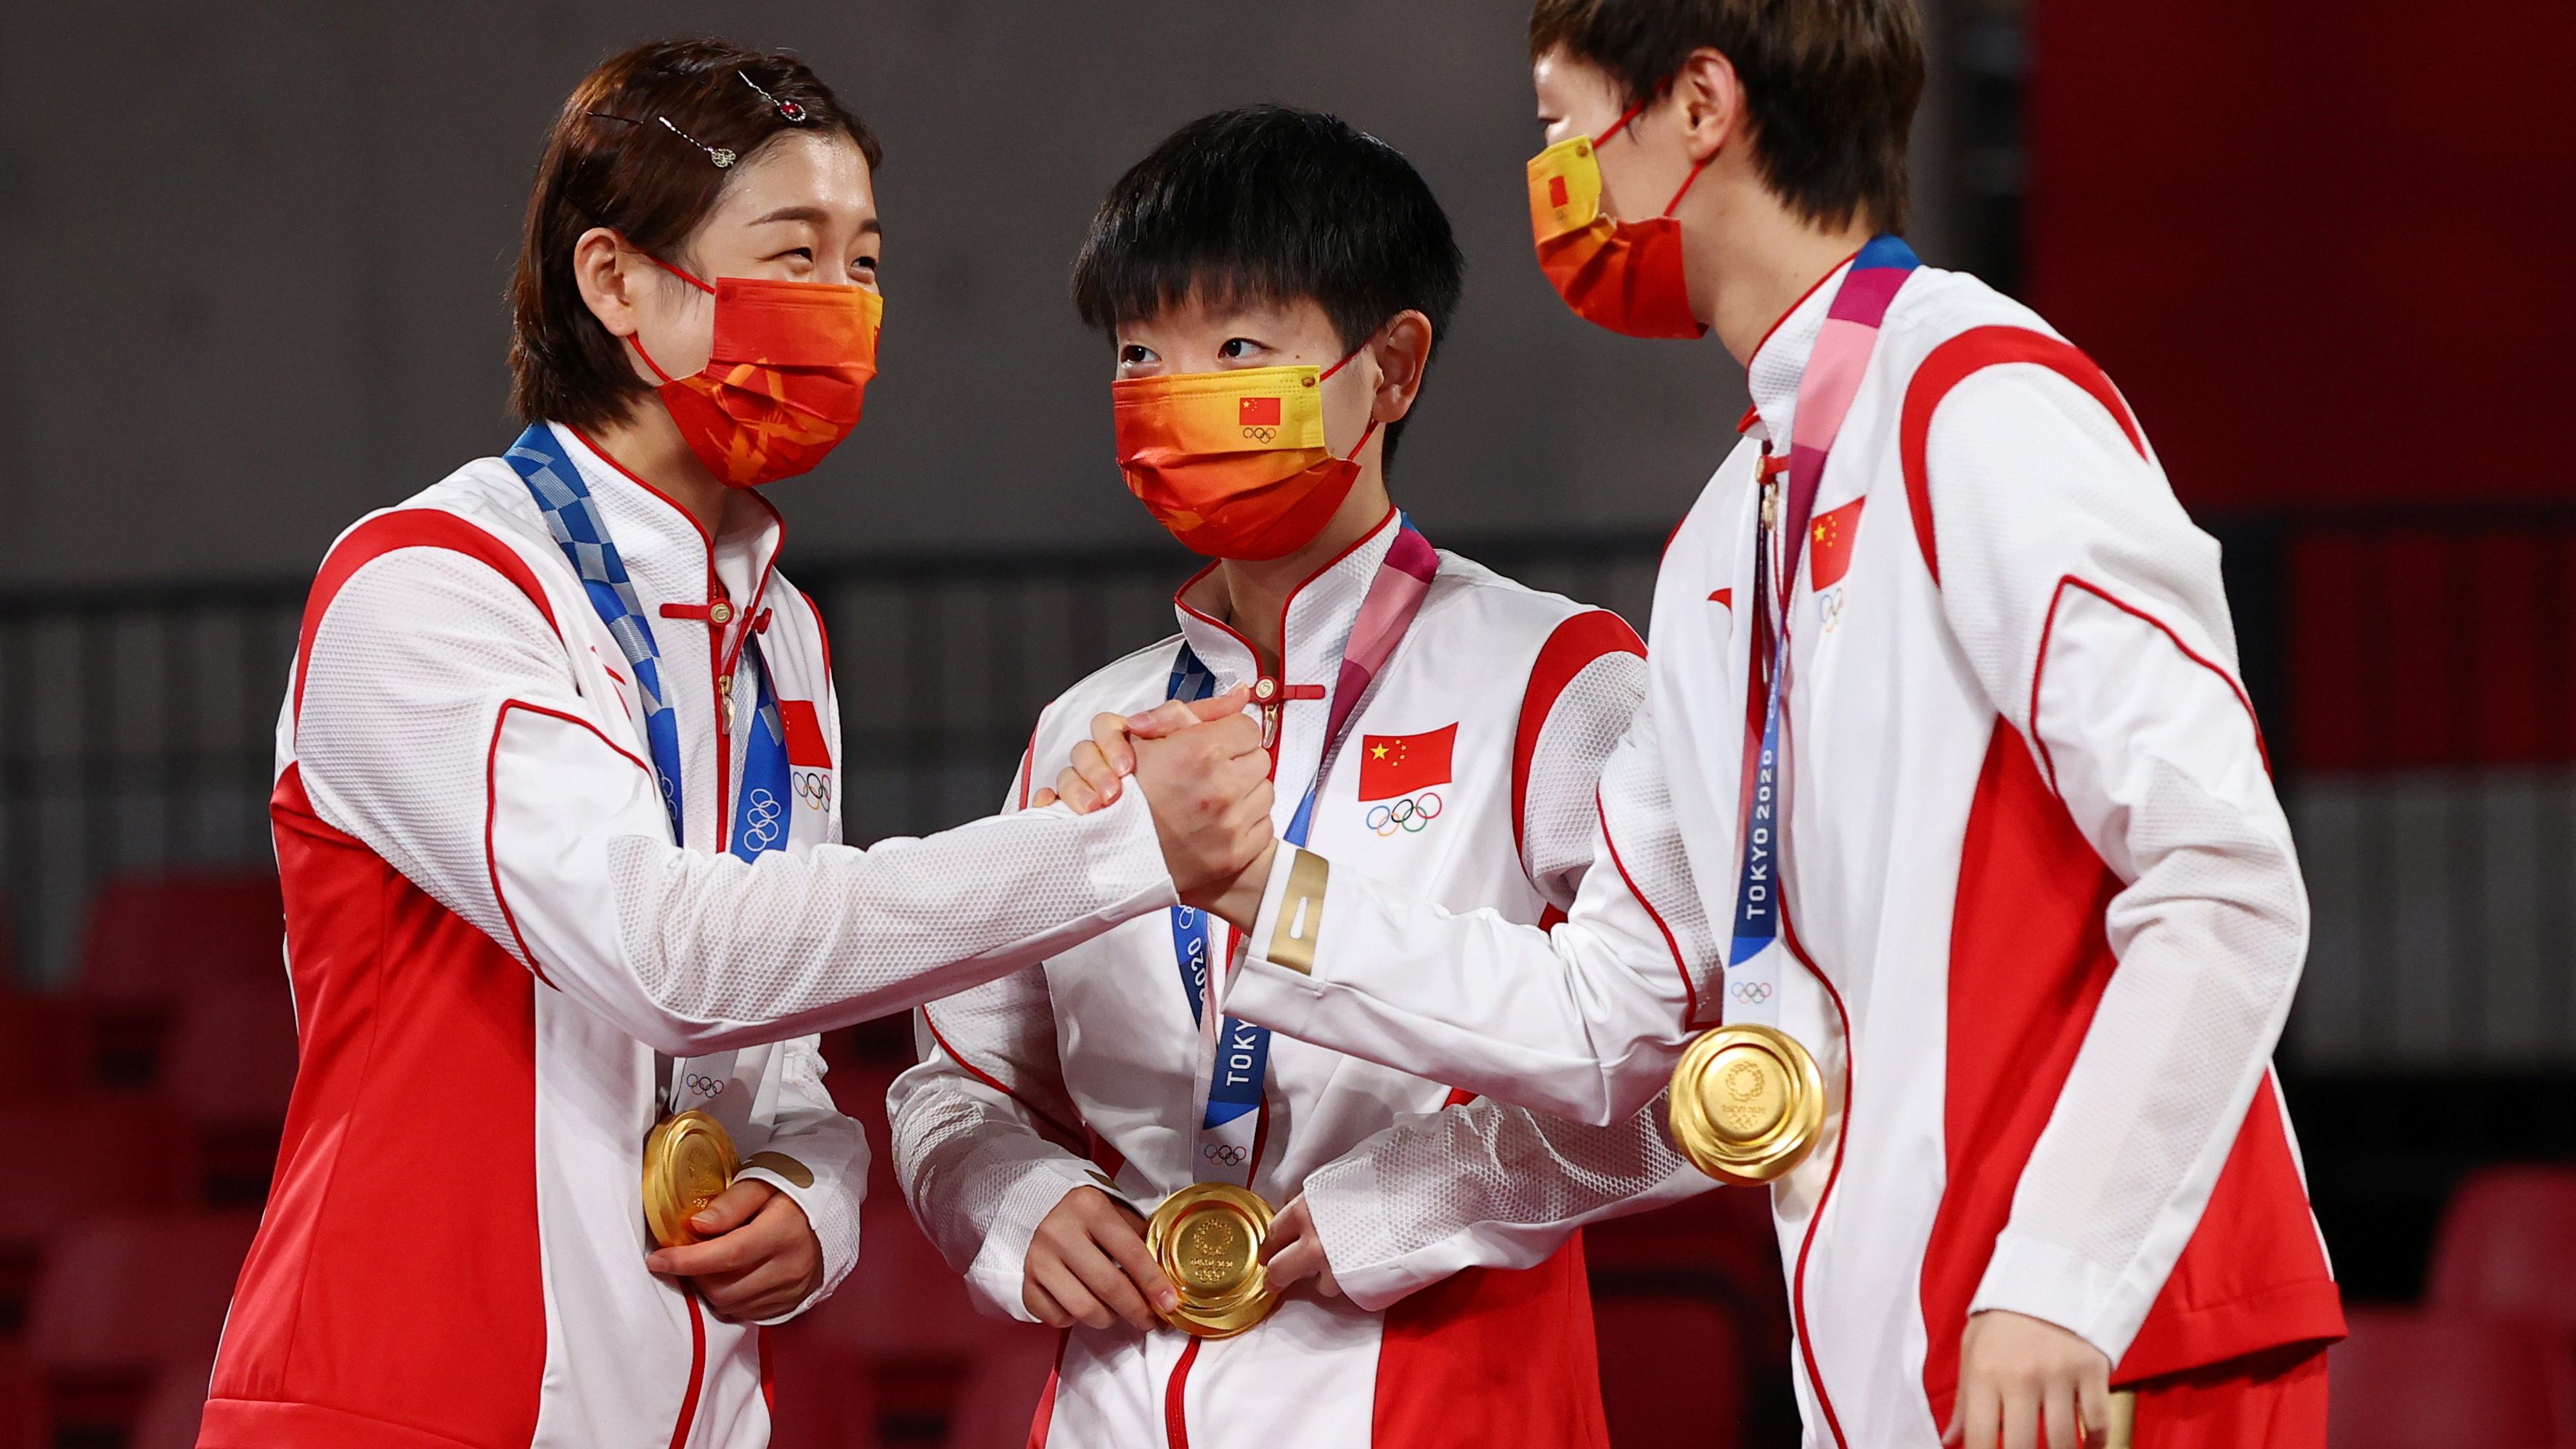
(1408, 815)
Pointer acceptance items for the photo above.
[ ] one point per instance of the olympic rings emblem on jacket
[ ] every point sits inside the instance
(762, 825)
(814, 787)
(1224, 1154)
(1408, 815)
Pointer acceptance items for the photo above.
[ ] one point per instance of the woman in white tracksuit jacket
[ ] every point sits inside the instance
(556, 813)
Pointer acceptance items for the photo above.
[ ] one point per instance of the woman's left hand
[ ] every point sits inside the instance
(757, 1257)
(1293, 1251)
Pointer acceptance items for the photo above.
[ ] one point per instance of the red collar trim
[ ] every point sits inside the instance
(633, 477)
(1794, 306)
(1183, 604)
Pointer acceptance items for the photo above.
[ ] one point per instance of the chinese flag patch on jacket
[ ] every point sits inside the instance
(805, 747)
(1829, 541)
(1392, 765)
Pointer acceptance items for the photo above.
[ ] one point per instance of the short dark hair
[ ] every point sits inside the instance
(1269, 204)
(610, 161)
(1831, 84)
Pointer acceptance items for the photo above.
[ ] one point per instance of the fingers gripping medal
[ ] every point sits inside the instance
(1207, 1239)
(690, 1157)
(689, 1161)
(1748, 1102)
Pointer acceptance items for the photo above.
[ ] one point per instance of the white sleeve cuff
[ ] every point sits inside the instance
(832, 1211)
(2044, 1281)
(1281, 991)
(998, 1276)
(1128, 875)
(1353, 1188)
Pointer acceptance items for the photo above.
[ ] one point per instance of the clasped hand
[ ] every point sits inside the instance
(756, 1257)
(1206, 779)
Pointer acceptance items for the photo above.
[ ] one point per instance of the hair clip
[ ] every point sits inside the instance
(718, 154)
(788, 111)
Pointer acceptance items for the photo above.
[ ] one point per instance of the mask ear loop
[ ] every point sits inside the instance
(1621, 124)
(1371, 430)
(636, 339)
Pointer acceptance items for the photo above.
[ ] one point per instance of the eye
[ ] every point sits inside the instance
(1235, 349)
(1135, 355)
(806, 253)
(864, 266)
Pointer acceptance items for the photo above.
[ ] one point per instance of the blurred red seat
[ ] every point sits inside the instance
(901, 1300)
(49, 1038)
(138, 1288)
(153, 943)
(163, 936)
(125, 1300)
(102, 1154)
(24, 1423)
(822, 1393)
(1000, 1396)
(1643, 1340)
(171, 1417)
(2507, 1246)
(228, 1062)
(2410, 1380)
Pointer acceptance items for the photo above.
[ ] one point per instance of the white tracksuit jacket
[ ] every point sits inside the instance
(500, 957)
(2045, 900)
(1086, 1070)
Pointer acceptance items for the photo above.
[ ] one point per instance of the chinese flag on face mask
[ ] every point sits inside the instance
(1392, 765)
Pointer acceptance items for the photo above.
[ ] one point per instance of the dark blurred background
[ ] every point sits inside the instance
(255, 259)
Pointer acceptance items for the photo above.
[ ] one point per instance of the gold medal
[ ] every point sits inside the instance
(689, 1161)
(1747, 1103)
(2124, 1420)
(1207, 1239)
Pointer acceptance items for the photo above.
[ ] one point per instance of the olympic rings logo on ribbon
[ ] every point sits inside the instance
(705, 1086)
(1225, 1154)
(814, 787)
(1408, 815)
(1751, 992)
(761, 825)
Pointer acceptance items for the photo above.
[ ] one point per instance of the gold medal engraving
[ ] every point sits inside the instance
(1747, 1103)
(689, 1161)
(1207, 1239)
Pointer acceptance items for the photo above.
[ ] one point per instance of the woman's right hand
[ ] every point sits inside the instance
(1087, 1264)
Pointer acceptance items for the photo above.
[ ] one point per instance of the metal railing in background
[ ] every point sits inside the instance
(137, 733)
(137, 726)
(2412, 674)
(2422, 678)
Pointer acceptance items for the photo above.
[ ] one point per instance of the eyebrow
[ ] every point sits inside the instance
(814, 214)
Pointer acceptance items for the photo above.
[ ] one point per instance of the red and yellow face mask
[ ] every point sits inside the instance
(1623, 275)
(1234, 463)
(783, 386)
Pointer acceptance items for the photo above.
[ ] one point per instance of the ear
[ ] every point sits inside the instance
(609, 278)
(1402, 352)
(1712, 102)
